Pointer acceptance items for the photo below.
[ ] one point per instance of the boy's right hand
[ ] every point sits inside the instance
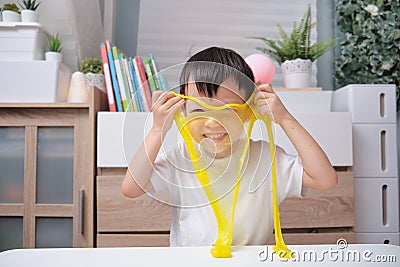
(164, 106)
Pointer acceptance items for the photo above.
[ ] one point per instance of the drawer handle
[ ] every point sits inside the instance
(383, 150)
(384, 205)
(80, 210)
(382, 104)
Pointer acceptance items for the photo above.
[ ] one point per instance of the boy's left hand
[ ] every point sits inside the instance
(268, 103)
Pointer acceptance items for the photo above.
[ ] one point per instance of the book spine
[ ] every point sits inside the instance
(126, 84)
(107, 77)
(160, 82)
(149, 73)
(113, 76)
(136, 84)
(145, 84)
(121, 84)
(128, 74)
(141, 90)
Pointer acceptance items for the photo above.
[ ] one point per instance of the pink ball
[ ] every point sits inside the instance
(262, 66)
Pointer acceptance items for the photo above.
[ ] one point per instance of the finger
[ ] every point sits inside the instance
(162, 99)
(263, 96)
(266, 88)
(156, 95)
(171, 102)
(177, 105)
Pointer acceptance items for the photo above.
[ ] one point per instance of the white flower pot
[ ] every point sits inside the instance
(11, 16)
(29, 16)
(77, 89)
(296, 73)
(53, 56)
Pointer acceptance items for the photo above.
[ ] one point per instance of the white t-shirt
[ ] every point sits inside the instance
(193, 220)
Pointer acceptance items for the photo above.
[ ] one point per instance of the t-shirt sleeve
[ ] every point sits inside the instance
(289, 175)
(162, 174)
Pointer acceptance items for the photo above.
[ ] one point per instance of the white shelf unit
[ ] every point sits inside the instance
(373, 109)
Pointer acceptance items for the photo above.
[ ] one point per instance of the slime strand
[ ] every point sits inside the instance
(221, 248)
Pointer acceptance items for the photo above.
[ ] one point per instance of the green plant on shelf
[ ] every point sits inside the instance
(55, 43)
(29, 4)
(91, 64)
(11, 7)
(297, 44)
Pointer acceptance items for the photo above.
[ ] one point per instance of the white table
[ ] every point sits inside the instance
(315, 255)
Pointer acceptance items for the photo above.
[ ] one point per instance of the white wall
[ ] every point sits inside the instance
(79, 24)
(175, 29)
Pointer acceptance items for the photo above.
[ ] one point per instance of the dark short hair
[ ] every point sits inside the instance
(208, 77)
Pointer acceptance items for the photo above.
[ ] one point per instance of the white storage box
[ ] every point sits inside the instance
(376, 205)
(22, 41)
(378, 238)
(306, 101)
(120, 134)
(375, 150)
(368, 103)
(34, 81)
(332, 131)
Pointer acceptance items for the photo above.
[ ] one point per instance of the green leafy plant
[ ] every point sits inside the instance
(11, 7)
(54, 43)
(91, 64)
(297, 44)
(29, 4)
(369, 39)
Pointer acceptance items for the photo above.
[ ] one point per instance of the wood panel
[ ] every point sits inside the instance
(317, 238)
(322, 208)
(132, 240)
(116, 213)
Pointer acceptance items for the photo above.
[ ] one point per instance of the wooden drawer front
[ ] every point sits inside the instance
(132, 240)
(116, 213)
(322, 208)
(316, 239)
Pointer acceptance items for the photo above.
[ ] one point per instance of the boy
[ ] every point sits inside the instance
(218, 83)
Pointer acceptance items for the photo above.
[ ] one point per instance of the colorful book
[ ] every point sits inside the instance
(159, 79)
(142, 90)
(107, 78)
(128, 83)
(122, 89)
(135, 82)
(149, 73)
(114, 76)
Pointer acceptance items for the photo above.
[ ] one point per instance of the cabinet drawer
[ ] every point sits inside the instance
(132, 240)
(116, 213)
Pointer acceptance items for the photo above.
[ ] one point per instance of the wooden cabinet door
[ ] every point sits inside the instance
(54, 202)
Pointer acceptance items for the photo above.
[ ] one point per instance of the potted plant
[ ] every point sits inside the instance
(11, 13)
(28, 10)
(369, 41)
(54, 48)
(295, 53)
(92, 68)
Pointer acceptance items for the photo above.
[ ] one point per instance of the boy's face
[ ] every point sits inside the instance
(216, 130)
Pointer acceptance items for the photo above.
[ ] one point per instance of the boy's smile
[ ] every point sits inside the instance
(216, 131)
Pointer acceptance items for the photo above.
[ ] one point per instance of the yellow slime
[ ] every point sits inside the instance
(225, 218)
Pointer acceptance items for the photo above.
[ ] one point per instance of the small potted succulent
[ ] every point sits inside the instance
(295, 52)
(54, 48)
(11, 13)
(28, 10)
(92, 68)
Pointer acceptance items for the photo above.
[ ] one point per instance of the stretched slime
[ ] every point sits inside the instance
(224, 207)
